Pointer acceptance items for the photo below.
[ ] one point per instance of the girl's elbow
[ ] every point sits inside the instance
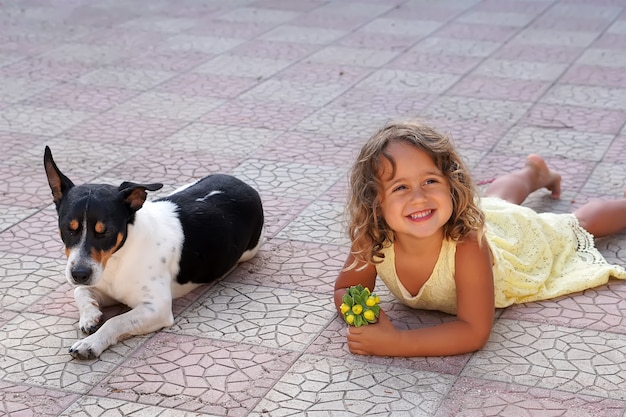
(478, 339)
(480, 343)
(481, 338)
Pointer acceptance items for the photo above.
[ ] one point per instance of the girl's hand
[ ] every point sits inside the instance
(377, 339)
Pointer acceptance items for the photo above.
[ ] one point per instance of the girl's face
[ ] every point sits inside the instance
(416, 201)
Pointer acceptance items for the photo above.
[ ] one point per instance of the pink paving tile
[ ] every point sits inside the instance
(192, 9)
(595, 75)
(582, 119)
(574, 173)
(16, 143)
(6, 315)
(259, 113)
(496, 33)
(332, 342)
(22, 400)
(159, 164)
(475, 398)
(59, 302)
(300, 6)
(539, 53)
(532, 7)
(121, 129)
(305, 147)
(395, 105)
(207, 85)
(374, 40)
(37, 235)
(40, 68)
(337, 193)
(420, 11)
(602, 308)
(94, 17)
(294, 265)
(24, 186)
(279, 212)
(314, 73)
(447, 64)
(81, 97)
(499, 88)
(195, 374)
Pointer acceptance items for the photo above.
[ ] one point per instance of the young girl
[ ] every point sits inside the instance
(415, 222)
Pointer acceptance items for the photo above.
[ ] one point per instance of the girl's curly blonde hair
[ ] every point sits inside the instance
(367, 228)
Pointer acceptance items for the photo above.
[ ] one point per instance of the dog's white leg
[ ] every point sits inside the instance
(144, 318)
(89, 301)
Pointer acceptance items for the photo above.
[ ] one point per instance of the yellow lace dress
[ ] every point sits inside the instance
(537, 256)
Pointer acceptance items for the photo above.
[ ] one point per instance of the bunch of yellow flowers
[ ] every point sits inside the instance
(359, 307)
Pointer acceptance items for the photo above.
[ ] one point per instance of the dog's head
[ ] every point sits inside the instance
(93, 220)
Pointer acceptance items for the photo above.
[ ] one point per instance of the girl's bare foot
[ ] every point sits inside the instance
(546, 177)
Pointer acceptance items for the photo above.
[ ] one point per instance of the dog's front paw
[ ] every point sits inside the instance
(90, 321)
(88, 348)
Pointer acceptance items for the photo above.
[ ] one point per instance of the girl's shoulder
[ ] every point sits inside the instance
(473, 248)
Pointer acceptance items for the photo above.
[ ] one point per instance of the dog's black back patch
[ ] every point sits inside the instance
(221, 217)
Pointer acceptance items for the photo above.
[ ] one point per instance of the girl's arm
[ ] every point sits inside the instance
(468, 333)
(366, 277)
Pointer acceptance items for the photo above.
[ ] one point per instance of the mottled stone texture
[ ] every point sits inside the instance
(282, 93)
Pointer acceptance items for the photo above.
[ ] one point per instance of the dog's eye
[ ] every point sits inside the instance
(73, 227)
(100, 228)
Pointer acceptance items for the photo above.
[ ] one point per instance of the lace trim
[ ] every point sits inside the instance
(586, 248)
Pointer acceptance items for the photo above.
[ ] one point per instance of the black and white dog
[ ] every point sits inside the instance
(123, 249)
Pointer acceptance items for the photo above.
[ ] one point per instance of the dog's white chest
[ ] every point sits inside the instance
(145, 267)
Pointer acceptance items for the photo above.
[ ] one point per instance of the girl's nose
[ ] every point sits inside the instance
(418, 195)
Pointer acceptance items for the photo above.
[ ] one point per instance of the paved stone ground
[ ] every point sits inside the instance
(282, 93)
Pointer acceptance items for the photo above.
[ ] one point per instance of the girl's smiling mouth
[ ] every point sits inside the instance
(421, 215)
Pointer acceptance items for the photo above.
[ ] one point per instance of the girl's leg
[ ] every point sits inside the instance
(603, 218)
(516, 186)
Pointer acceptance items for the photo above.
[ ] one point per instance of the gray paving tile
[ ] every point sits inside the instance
(315, 385)
(35, 351)
(577, 361)
(257, 315)
(282, 94)
(555, 142)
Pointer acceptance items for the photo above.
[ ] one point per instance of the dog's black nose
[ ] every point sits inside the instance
(81, 274)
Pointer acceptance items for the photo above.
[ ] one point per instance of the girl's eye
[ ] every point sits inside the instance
(431, 181)
(399, 188)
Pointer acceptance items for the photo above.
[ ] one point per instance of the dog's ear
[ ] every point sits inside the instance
(59, 183)
(135, 194)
